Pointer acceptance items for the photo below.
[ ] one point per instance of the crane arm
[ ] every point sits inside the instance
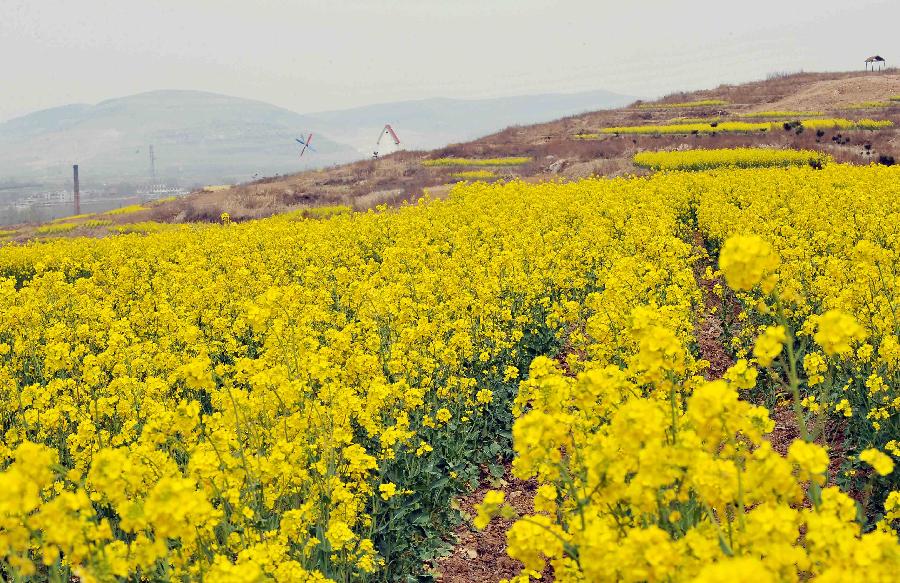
(387, 130)
(391, 131)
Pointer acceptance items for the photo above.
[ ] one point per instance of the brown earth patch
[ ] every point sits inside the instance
(710, 331)
(832, 436)
(480, 556)
(837, 93)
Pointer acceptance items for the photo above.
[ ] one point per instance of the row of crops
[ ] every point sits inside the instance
(706, 127)
(301, 400)
(705, 159)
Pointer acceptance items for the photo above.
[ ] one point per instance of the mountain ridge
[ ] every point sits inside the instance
(207, 137)
(199, 137)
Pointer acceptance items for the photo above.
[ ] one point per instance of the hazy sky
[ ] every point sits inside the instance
(311, 55)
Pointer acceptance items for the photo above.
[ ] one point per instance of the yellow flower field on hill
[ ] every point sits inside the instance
(729, 157)
(687, 128)
(56, 228)
(125, 210)
(739, 127)
(474, 175)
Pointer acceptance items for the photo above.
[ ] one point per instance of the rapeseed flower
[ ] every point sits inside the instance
(746, 260)
(882, 463)
(836, 330)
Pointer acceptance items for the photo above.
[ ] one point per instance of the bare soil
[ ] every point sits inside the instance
(480, 556)
(837, 93)
(710, 332)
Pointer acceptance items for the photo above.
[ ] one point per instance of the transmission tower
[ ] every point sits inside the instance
(152, 166)
(76, 190)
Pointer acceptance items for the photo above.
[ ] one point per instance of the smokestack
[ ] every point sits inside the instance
(76, 190)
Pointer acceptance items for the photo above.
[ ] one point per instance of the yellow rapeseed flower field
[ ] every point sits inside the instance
(739, 127)
(846, 124)
(474, 174)
(56, 228)
(687, 128)
(125, 210)
(284, 400)
(680, 120)
(72, 218)
(144, 227)
(731, 157)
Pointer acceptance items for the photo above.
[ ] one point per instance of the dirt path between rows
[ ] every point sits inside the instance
(710, 328)
(480, 556)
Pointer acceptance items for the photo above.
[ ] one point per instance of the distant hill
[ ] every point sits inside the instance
(432, 123)
(197, 137)
(201, 137)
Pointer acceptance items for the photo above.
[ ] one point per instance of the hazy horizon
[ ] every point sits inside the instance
(325, 111)
(324, 56)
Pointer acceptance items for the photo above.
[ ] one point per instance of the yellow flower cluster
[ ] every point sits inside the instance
(474, 175)
(740, 127)
(72, 218)
(322, 212)
(686, 128)
(675, 480)
(745, 260)
(846, 124)
(144, 227)
(768, 345)
(95, 223)
(729, 157)
(126, 210)
(682, 119)
(56, 228)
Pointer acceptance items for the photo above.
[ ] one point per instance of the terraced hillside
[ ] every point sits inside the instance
(813, 111)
